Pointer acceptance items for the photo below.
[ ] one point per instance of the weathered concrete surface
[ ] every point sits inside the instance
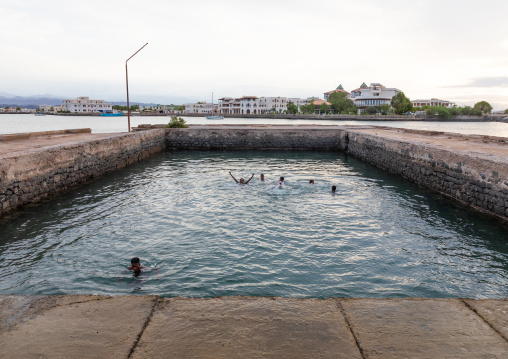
(45, 165)
(469, 168)
(73, 326)
(250, 327)
(236, 327)
(495, 312)
(422, 328)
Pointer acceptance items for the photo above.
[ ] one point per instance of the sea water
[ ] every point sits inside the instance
(200, 234)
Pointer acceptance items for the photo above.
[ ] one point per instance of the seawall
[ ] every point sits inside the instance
(38, 167)
(470, 169)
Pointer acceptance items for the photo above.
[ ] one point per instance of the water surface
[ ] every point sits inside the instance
(379, 236)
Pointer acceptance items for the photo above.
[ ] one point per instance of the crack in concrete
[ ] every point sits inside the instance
(357, 340)
(483, 319)
(157, 300)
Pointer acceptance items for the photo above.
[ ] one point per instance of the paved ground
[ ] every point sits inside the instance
(251, 327)
(35, 142)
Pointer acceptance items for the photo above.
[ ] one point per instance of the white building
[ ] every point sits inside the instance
(372, 96)
(273, 104)
(229, 106)
(433, 102)
(200, 108)
(84, 104)
(298, 101)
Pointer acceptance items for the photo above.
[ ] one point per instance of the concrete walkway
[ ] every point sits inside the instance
(251, 327)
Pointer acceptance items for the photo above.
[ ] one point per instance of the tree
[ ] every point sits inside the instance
(340, 102)
(506, 111)
(292, 108)
(324, 107)
(483, 106)
(401, 104)
(371, 110)
(383, 109)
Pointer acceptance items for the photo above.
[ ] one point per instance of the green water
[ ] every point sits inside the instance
(379, 236)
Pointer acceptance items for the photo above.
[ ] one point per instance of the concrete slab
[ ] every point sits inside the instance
(421, 328)
(76, 327)
(247, 327)
(493, 311)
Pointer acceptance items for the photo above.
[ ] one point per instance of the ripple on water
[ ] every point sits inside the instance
(379, 236)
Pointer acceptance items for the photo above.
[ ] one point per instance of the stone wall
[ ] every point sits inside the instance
(29, 176)
(242, 138)
(478, 180)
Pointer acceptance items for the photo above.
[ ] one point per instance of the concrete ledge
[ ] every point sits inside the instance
(28, 135)
(251, 327)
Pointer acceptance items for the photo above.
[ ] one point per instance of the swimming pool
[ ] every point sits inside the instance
(379, 236)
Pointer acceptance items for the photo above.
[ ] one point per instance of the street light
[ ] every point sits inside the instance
(127, 81)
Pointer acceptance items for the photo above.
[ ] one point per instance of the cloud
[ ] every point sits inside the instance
(498, 81)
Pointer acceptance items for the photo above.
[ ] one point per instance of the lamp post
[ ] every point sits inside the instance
(127, 82)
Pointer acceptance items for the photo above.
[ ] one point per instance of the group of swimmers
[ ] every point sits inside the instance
(281, 181)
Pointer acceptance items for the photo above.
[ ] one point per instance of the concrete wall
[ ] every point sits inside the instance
(252, 138)
(29, 176)
(478, 180)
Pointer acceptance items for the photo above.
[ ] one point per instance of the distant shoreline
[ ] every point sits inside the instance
(381, 118)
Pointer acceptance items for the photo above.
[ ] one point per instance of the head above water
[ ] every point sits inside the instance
(135, 265)
(281, 179)
(241, 180)
(311, 182)
(262, 177)
(334, 188)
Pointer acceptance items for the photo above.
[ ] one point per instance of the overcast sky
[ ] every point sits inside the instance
(455, 50)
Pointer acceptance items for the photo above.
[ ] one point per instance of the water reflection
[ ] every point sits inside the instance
(380, 236)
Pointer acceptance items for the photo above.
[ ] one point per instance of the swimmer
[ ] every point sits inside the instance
(334, 188)
(262, 177)
(136, 266)
(281, 181)
(311, 182)
(241, 179)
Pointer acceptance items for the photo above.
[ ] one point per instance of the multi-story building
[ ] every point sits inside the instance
(253, 105)
(84, 104)
(249, 105)
(200, 108)
(273, 104)
(338, 89)
(372, 96)
(229, 106)
(433, 102)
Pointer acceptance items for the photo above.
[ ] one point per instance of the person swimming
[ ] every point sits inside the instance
(262, 177)
(311, 182)
(281, 181)
(241, 181)
(136, 266)
(334, 188)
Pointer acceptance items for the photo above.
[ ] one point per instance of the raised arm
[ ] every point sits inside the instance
(233, 177)
(249, 178)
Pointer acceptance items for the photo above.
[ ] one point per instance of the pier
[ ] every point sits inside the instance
(85, 326)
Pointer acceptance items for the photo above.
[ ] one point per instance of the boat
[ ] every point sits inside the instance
(111, 114)
(39, 114)
(214, 117)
